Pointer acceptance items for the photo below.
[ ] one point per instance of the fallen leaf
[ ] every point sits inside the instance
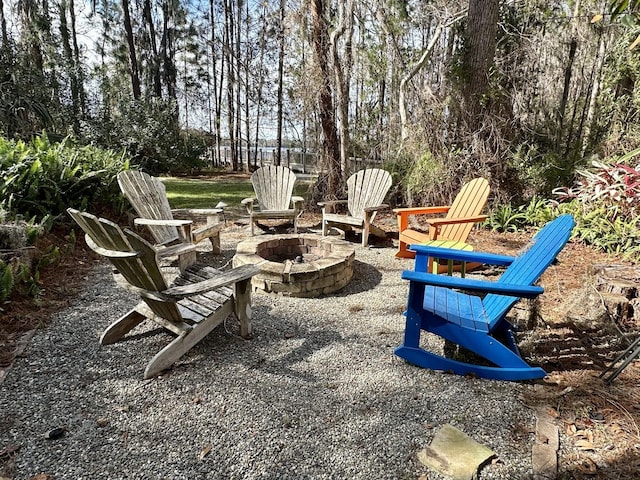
(588, 466)
(8, 451)
(102, 422)
(42, 476)
(205, 451)
(584, 445)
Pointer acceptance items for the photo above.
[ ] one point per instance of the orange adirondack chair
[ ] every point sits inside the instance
(456, 225)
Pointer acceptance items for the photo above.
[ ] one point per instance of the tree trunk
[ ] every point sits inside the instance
(82, 96)
(168, 53)
(3, 28)
(227, 48)
(154, 60)
(217, 97)
(482, 22)
(330, 144)
(277, 154)
(133, 59)
(342, 72)
(70, 66)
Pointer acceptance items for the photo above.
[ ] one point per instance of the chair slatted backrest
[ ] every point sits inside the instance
(530, 263)
(132, 256)
(469, 202)
(367, 188)
(148, 196)
(273, 186)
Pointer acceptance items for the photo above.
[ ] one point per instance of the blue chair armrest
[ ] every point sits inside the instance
(462, 255)
(512, 290)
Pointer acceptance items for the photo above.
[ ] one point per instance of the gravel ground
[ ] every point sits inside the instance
(317, 393)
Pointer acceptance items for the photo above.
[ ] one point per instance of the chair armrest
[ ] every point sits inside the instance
(178, 249)
(462, 255)
(229, 277)
(168, 223)
(197, 211)
(421, 210)
(376, 208)
(297, 202)
(114, 254)
(452, 221)
(512, 290)
(248, 200)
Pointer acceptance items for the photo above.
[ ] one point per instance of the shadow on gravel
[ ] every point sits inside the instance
(289, 345)
(365, 277)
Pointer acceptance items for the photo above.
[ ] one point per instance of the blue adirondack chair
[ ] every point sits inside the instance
(436, 304)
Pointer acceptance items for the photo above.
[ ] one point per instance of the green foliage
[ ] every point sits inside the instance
(41, 179)
(6, 282)
(605, 203)
(538, 171)
(613, 184)
(505, 218)
(150, 133)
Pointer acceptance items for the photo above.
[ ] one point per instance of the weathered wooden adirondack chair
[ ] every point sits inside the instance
(477, 324)
(273, 186)
(460, 217)
(197, 301)
(366, 190)
(148, 197)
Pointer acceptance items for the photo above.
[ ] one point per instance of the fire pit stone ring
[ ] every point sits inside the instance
(303, 265)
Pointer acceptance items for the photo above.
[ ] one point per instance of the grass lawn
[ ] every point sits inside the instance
(206, 193)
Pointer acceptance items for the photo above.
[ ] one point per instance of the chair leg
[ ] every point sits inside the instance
(215, 243)
(365, 235)
(121, 327)
(325, 227)
(242, 306)
(183, 343)
(185, 260)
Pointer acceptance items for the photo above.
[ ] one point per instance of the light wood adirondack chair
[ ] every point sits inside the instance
(456, 225)
(366, 190)
(148, 197)
(198, 300)
(273, 186)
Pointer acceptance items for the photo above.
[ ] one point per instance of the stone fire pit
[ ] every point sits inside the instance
(304, 265)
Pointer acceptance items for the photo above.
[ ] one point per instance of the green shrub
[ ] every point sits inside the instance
(149, 131)
(41, 178)
(6, 282)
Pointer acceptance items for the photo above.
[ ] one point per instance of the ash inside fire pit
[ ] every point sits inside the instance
(298, 265)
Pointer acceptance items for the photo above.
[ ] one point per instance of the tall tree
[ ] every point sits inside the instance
(133, 58)
(326, 112)
(480, 48)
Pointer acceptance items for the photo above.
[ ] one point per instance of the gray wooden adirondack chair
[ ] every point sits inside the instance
(197, 301)
(366, 190)
(273, 186)
(148, 197)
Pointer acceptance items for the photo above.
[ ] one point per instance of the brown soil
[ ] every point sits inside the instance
(600, 423)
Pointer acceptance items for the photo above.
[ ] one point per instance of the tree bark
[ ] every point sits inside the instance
(154, 61)
(133, 59)
(330, 143)
(278, 152)
(480, 48)
(342, 72)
